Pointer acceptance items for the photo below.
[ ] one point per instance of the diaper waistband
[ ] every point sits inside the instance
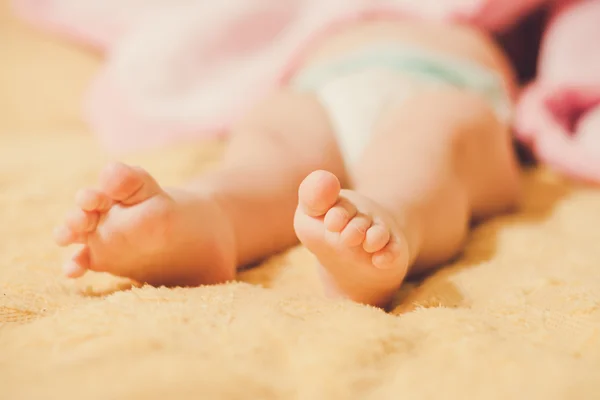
(421, 64)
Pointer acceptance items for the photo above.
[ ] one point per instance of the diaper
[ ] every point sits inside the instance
(356, 88)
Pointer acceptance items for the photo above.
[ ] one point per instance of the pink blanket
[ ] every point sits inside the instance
(185, 69)
(559, 113)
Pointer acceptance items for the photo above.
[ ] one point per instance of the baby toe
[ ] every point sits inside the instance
(73, 270)
(81, 221)
(78, 265)
(318, 192)
(63, 236)
(127, 184)
(354, 233)
(376, 238)
(386, 257)
(339, 215)
(92, 200)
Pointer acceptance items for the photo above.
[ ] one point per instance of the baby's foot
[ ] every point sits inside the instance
(131, 227)
(363, 253)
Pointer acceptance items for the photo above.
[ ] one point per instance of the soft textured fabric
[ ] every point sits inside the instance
(356, 88)
(558, 114)
(186, 69)
(517, 316)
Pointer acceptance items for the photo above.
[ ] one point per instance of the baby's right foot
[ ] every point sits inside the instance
(131, 227)
(361, 249)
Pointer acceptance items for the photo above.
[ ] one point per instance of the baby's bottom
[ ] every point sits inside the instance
(435, 162)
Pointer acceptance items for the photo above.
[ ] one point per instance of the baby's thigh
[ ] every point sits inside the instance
(445, 132)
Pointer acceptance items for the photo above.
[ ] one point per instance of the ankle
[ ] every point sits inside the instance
(223, 239)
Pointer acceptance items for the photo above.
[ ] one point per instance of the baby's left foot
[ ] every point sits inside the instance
(363, 253)
(132, 227)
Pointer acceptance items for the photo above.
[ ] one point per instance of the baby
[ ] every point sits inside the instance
(387, 139)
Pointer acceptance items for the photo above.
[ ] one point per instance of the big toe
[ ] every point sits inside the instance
(318, 193)
(127, 184)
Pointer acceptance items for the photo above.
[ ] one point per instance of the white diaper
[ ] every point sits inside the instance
(357, 88)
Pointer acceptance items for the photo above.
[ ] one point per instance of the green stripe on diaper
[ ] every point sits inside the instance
(423, 65)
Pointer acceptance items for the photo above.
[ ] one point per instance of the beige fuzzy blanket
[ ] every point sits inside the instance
(517, 316)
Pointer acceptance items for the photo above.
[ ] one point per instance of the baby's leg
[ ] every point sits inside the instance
(239, 213)
(435, 162)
